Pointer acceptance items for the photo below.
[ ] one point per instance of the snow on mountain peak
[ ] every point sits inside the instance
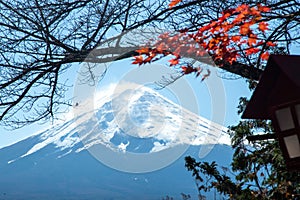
(132, 119)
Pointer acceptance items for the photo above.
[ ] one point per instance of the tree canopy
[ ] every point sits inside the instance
(40, 40)
(258, 170)
(240, 37)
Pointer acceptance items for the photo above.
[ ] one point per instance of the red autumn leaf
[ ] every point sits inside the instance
(184, 69)
(241, 8)
(232, 59)
(143, 50)
(252, 51)
(174, 3)
(245, 29)
(215, 38)
(271, 44)
(149, 59)
(187, 69)
(215, 29)
(224, 16)
(236, 38)
(265, 56)
(213, 24)
(252, 40)
(260, 43)
(174, 61)
(240, 17)
(263, 8)
(138, 60)
(204, 28)
(263, 26)
(254, 11)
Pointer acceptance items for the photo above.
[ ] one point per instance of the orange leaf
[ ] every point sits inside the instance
(211, 44)
(138, 60)
(143, 50)
(224, 16)
(263, 26)
(240, 17)
(236, 38)
(174, 3)
(245, 29)
(232, 59)
(174, 61)
(242, 7)
(254, 11)
(263, 8)
(148, 59)
(265, 56)
(204, 28)
(252, 51)
(260, 43)
(271, 44)
(187, 69)
(252, 40)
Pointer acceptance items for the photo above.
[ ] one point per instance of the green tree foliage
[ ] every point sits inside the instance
(257, 170)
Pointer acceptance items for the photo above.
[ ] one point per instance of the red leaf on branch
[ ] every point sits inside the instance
(174, 3)
(263, 8)
(252, 51)
(138, 60)
(204, 28)
(254, 11)
(144, 50)
(236, 38)
(245, 29)
(148, 59)
(271, 44)
(242, 7)
(174, 61)
(187, 69)
(265, 56)
(252, 40)
(226, 38)
(263, 26)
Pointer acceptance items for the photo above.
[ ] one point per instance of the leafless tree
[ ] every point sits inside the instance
(40, 40)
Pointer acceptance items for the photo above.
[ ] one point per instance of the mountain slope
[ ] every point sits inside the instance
(60, 163)
(44, 175)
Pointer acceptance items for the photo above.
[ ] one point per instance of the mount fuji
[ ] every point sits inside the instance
(130, 146)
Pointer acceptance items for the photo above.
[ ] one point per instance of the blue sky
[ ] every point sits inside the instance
(207, 98)
(208, 101)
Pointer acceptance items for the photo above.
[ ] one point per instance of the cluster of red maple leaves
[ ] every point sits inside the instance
(236, 32)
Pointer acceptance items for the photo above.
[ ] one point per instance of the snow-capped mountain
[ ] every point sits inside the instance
(135, 130)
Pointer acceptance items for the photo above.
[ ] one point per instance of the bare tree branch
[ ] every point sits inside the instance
(40, 40)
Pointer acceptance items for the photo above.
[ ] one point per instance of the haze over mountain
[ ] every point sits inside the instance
(131, 146)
